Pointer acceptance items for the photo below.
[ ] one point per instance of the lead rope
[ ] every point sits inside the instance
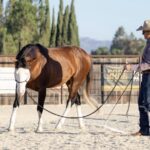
(127, 112)
(105, 123)
(84, 115)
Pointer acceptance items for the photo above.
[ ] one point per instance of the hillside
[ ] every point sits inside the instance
(90, 44)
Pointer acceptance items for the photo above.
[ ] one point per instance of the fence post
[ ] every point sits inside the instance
(102, 84)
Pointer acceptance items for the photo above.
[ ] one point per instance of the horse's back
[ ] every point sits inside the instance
(74, 61)
(71, 54)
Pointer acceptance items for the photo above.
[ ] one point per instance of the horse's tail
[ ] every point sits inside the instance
(91, 101)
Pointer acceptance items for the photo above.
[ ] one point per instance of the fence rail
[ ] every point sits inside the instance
(106, 70)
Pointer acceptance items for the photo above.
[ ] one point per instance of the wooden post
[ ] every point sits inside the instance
(102, 84)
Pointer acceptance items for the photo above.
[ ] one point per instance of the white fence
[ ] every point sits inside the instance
(7, 81)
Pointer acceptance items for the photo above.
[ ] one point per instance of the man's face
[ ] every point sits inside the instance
(146, 34)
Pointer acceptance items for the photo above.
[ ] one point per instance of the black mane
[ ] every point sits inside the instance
(20, 56)
(43, 50)
(21, 52)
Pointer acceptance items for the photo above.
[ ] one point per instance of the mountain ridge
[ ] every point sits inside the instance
(90, 44)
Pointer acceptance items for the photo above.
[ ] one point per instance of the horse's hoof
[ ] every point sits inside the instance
(83, 128)
(58, 129)
(38, 130)
(10, 129)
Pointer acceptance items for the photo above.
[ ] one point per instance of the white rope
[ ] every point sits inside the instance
(115, 130)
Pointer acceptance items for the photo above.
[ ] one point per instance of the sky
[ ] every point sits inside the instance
(99, 19)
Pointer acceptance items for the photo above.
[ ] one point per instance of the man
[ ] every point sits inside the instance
(144, 94)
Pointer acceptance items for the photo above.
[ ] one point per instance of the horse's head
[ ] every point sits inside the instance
(25, 61)
(22, 73)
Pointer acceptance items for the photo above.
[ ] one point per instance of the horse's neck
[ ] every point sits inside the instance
(36, 68)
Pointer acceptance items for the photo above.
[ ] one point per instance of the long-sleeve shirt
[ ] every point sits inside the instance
(145, 64)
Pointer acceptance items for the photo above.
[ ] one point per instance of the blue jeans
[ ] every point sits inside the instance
(144, 104)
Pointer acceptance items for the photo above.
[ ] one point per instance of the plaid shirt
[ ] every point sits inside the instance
(145, 64)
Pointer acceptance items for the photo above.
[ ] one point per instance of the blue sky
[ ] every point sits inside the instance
(99, 19)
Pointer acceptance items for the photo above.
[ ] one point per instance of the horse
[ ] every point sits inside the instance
(39, 68)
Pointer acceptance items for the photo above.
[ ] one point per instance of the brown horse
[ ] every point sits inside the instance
(39, 68)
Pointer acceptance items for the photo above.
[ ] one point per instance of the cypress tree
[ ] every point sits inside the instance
(1, 8)
(2, 41)
(73, 28)
(2, 33)
(59, 25)
(41, 19)
(65, 27)
(1, 14)
(53, 31)
(48, 30)
(9, 7)
(21, 22)
(44, 19)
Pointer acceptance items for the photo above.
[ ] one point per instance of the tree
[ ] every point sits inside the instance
(119, 41)
(28, 21)
(2, 40)
(65, 27)
(9, 7)
(134, 47)
(59, 25)
(53, 31)
(73, 28)
(100, 51)
(1, 9)
(10, 46)
(117, 51)
(2, 32)
(44, 21)
(22, 22)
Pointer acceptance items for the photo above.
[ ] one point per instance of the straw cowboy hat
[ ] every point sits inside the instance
(145, 27)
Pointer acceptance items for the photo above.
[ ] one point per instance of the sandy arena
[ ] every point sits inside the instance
(99, 134)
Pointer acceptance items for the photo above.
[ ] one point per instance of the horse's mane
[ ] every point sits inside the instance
(21, 52)
(43, 50)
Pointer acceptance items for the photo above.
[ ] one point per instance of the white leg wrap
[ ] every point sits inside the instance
(62, 120)
(13, 119)
(40, 123)
(79, 113)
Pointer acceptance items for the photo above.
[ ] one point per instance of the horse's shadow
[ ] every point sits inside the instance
(3, 130)
(45, 131)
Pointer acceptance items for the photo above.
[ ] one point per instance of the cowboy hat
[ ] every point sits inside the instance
(145, 27)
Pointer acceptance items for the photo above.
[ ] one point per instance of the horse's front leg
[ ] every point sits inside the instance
(41, 100)
(22, 76)
(13, 114)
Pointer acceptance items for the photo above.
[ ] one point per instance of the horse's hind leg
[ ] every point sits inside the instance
(74, 97)
(79, 112)
(41, 100)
